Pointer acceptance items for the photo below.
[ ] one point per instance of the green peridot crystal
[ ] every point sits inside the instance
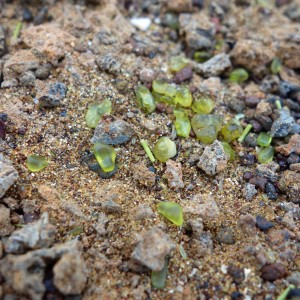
(182, 123)
(184, 97)
(203, 105)
(164, 98)
(238, 75)
(227, 148)
(276, 65)
(231, 131)
(164, 149)
(145, 99)
(172, 211)
(202, 56)
(266, 155)
(163, 88)
(158, 278)
(177, 63)
(264, 139)
(96, 111)
(105, 155)
(36, 163)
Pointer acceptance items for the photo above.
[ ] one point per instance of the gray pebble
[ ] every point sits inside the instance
(225, 236)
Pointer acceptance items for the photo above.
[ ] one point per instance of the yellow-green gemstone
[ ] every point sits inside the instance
(105, 155)
(264, 139)
(172, 211)
(96, 111)
(158, 278)
(276, 65)
(182, 123)
(201, 56)
(177, 63)
(163, 88)
(266, 155)
(238, 75)
(36, 163)
(145, 99)
(184, 97)
(164, 149)
(163, 98)
(231, 131)
(227, 148)
(203, 105)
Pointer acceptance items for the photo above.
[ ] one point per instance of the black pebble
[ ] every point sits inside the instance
(294, 294)
(271, 191)
(247, 160)
(293, 159)
(263, 224)
(27, 15)
(237, 296)
(3, 117)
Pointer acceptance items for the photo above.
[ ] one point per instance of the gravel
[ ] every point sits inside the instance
(173, 175)
(263, 224)
(52, 95)
(5, 226)
(8, 175)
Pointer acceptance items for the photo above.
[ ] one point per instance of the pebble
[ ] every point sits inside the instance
(294, 278)
(268, 171)
(265, 121)
(248, 175)
(251, 139)
(214, 66)
(247, 160)
(289, 183)
(236, 105)
(271, 191)
(52, 95)
(293, 158)
(143, 211)
(214, 159)
(237, 274)
(143, 175)
(263, 224)
(284, 125)
(27, 79)
(183, 75)
(173, 175)
(147, 75)
(2, 41)
(109, 64)
(142, 24)
(247, 224)
(292, 146)
(295, 167)
(27, 15)
(225, 236)
(110, 206)
(197, 227)
(112, 132)
(152, 249)
(257, 127)
(5, 226)
(251, 101)
(8, 175)
(42, 72)
(273, 272)
(249, 191)
(39, 234)
(259, 182)
(2, 130)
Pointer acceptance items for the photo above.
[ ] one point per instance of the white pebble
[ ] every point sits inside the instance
(141, 23)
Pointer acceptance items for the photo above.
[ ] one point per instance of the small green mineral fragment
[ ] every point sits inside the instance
(163, 98)
(285, 293)
(184, 97)
(276, 65)
(163, 88)
(147, 150)
(177, 63)
(182, 123)
(203, 105)
(182, 252)
(202, 56)
(245, 132)
(36, 163)
(164, 149)
(105, 155)
(96, 111)
(278, 104)
(264, 139)
(158, 278)
(231, 131)
(172, 211)
(238, 75)
(227, 148)
(145, 99)
(266, 155)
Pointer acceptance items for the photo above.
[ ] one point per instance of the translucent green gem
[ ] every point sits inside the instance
(266, 155)
(238, 75)
(163, 88)
(201, 56)
(182, 123)
(96, 111)
(182, 252)
(36, 163)
(163, 98)
(172, 211)
(231, 131)
(227, 148)
(105, 155)
(276, 65)
(145, 99)
(177, 63)
(184, 97)
(264, 139)
(164, 149)
(203, 105)
(158, 278)
(206, 127)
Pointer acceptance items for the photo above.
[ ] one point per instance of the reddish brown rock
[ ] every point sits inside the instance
(290, 183)
(273, 272)
(174, 174)
(292, 146)
(143, 175)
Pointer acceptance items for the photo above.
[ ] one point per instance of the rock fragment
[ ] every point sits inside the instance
(292, 146)
(273, 272)
(2, 41)
(225, 236)
(249, 191)
(110, 206)
(108, 63)
(214, 159)
(263, 224)
(52, 95)
(289, 182)
(5, 226)
(142, 212)
(8, 175)
(143, 175)
(152, 249)
(247, 224)
(173, 174)
(268, 171)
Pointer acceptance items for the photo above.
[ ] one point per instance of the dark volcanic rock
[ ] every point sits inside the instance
(273, 272)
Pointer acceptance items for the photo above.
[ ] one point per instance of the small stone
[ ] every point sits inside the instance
(100, 226)
(70, 274)
(236, 273)
(273, 272)
(173, 174)
(284, 125)
(147, 75)
(143, 175)
(247, 225)
(289, 182)
(5, 226)
(249, 191)
(259, 182)
(142, 212)
(236, 105)
(43, 72)
(109, 206)
(263, 224)
(268, 171)
(6, 84)
(214, 66)
(247, 160)
(109, 64)
(8, 175)
(112, 132)
(288, 221)
(214, 159)
(292, 146)
(52, 95)
(295, 167)
(251, 101)
(35, 235)
(225, 236)
(251, 140)
(271, 191)
(183, 75)
(197, 227)
(2, 130)
(27, 79)
(142, 24)
(294, 278)
(152, 249)
(3, 47)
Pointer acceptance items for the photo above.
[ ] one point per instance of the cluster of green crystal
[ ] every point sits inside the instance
(203, 105)
(164, 149)
(36, 163)
(206, 127)
(96, 111)
(182, 122)
(105, 155)
(231, 131)
(145, 99)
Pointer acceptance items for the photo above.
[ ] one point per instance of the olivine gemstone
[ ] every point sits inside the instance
(266, 155)
(238, 75)
(177, 63)
(105, 155)
(203, 105)
(264, 139)
(227, 148)
(164, 149)
(36, 163)
(158, 278)
(202, 56)
(172, 211)
(164, 88)
(145, 99)
(231, 131)
(184, 97)
(96, 111)
(182, 123)
(163, 98)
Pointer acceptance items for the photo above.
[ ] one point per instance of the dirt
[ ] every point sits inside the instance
(76, 53)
